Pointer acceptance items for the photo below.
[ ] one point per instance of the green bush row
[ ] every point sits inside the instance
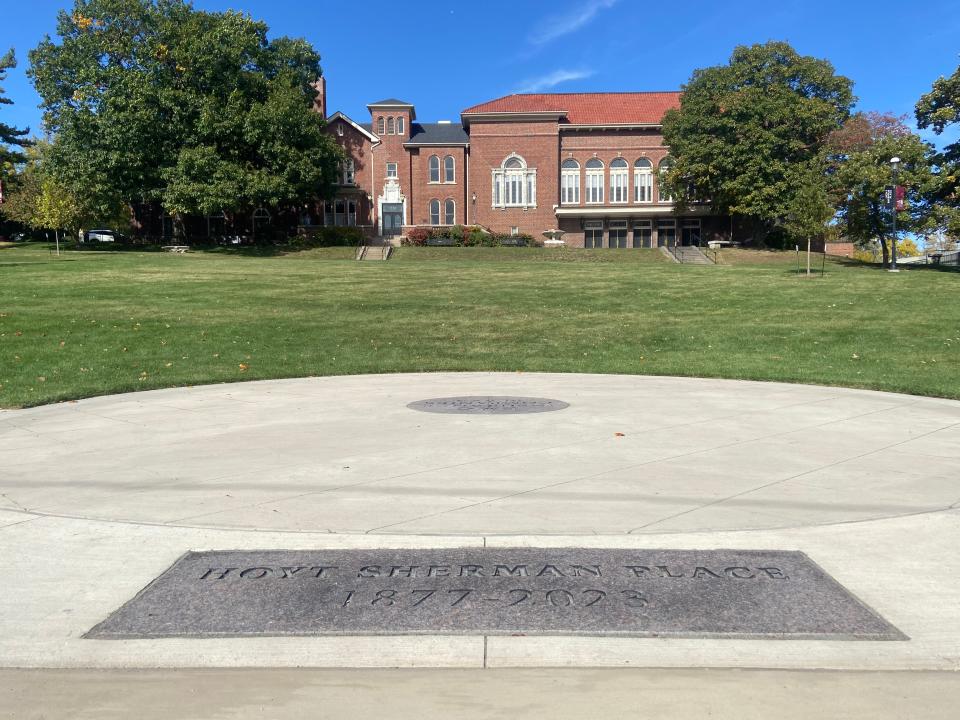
(327, 237)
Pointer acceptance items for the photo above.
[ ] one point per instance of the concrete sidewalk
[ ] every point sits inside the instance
(475, 695)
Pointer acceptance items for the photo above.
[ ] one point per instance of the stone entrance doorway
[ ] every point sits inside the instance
(392, 219)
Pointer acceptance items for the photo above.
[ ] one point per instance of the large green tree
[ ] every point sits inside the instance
(11, 138)
(858, 157)
(747, 131)
(152, 100)
(939, 109)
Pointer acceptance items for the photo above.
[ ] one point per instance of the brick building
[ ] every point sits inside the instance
(584, 163)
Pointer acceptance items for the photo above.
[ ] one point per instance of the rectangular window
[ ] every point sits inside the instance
(643, 187)
(340, 129)
(666, 233)
(690, 232)
(642, 234)
(514, 188)
(595, 187)
(617, 237)
(328, 213)
(391, 169)
(570, 188)
(515, 230)
(618, 187)
(347, 169)
(351, 213)
(593, 234)
(340, 217)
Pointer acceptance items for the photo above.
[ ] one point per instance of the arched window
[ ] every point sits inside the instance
(594, 181)
(434, 212)
(514, 184)
(380, 126)
(570, 182)
(434, 169)
(665, 165)
(449, 212)
(643, 181)
(618, 181)
(448, 175)
(399, 126)
(389, 126)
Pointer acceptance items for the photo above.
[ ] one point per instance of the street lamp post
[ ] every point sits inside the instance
(895, 167)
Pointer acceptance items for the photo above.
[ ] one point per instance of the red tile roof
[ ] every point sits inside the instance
(616, 108)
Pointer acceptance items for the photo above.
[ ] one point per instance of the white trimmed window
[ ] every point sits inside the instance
(347, 172)
(665, 165)
(570, 182)
(391, 169)
(449, 212)
(399, 126)
(389, 126)
(514, 184)
(643, 181)
(381, 125)
(434, 212)
(594, 181)
(434, 169)
(618, 181)
(448, 169)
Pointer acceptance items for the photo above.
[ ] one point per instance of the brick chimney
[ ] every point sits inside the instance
(320, 102)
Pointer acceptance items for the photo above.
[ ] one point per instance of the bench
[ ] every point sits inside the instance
(177, 248)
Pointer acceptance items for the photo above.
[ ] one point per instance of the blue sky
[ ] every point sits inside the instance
(444, 56)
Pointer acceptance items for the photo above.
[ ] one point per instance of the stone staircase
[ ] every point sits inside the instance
(689, 255)
(374, 252)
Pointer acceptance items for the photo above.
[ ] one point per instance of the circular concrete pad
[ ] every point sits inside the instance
(345, 454)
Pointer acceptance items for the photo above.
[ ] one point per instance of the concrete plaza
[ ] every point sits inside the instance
(100, 496)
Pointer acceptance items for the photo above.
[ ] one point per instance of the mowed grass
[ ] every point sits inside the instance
(91, 323)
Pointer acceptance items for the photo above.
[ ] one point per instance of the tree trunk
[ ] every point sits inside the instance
(885, 251)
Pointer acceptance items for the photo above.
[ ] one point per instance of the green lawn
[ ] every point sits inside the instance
(90, 323)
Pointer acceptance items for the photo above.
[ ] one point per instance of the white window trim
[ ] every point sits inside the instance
(642, 177)
(526, 177)
(622, 174)
(396, 170)
(430, 212)
(595, 174)
(399, 125)
(453, 169)
(566, 175)
(454, 203)
(430, 180)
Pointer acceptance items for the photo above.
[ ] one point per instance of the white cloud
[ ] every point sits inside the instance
(559, 25)
(553, 79)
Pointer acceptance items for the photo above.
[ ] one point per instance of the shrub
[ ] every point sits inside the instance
(328, 237)
(416, 236)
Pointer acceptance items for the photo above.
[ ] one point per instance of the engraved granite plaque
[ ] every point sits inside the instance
(492, 591)
(488, 405)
